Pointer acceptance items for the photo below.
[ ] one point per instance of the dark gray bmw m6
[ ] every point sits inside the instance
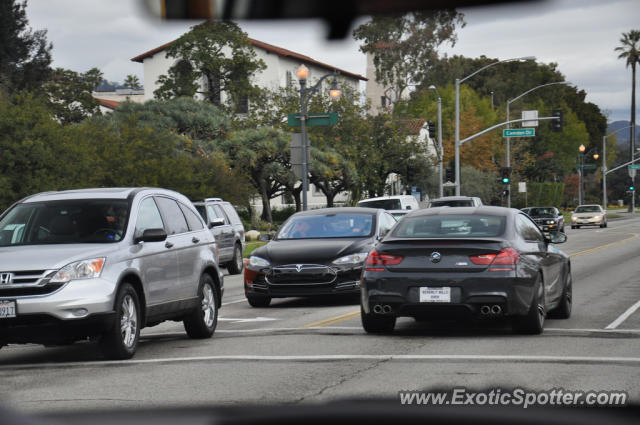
(466, 262)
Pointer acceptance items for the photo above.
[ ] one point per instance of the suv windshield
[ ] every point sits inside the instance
(385, 204)
(450, 226)
(327, 226)
(588, 208)
(65, 222)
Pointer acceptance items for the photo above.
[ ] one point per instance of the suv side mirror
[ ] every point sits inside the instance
(216, 222)
(152, 235)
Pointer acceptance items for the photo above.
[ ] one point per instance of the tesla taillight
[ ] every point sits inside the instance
(505, 260)
(375, 260)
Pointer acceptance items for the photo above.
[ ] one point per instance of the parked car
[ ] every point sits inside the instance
(456, 201)
(105, 263)
(548, 219)
(487, 262)
(392, 203)
(228, 230)
(588, 215)
(315, 252)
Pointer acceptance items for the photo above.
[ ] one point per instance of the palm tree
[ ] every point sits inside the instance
(630, 50)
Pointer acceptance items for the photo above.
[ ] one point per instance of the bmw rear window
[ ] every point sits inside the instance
(450, 226)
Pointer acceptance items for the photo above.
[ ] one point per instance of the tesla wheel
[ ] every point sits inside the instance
(375, 324)
(563, 311)
(121, 341)
(533, 322)
(202, 321)
(258, 301)
(235, 265)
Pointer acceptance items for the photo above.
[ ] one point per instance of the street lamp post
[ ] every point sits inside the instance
(582, 150)
(509, 102)
(305, 94)
(457, 122)
(441, 153)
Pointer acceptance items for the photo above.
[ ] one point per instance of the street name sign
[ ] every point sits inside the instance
(589, 166)
(328, 119)
(634, 167)
(518, 132)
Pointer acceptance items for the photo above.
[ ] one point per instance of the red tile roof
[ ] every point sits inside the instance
(111, 104)
(269, 48)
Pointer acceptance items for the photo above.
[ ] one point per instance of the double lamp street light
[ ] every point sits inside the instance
(305, 95)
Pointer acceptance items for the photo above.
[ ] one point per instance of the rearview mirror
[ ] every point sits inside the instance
(152, 235)
(557, 237)
(216, 222)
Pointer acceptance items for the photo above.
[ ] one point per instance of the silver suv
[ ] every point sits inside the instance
(227, 229)
(103, 264)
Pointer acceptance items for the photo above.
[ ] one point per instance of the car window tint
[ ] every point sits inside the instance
(528, 229)
(449, 226)
(175, 221)
(148, 217)
(193, 221)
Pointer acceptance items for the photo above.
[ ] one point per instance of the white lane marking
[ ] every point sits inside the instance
(624, 316)
(444, 358)
(234, 302)
(245, 320)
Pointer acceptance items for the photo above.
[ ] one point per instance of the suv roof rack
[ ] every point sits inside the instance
(212, 199)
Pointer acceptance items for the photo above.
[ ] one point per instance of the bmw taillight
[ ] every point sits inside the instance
(376, 262)
(505, 260)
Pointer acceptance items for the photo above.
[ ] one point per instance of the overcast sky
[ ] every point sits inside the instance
(579, 35)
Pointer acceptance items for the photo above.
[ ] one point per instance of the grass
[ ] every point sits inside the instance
(252, 246)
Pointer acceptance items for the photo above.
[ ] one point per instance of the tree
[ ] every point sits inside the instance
(25, 55)
(404, 48)
(260, 155)
(216, 54)
(70, 94)
(331, 173)
(132, 82)
(630, 50)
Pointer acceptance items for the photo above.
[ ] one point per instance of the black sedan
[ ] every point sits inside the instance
(316, 252)
(549, 219)
(484, 262)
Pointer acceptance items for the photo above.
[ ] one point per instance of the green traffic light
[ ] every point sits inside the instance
(505, 180)
(631, 187)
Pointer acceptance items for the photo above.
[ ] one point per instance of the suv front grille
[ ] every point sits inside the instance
(26, 282)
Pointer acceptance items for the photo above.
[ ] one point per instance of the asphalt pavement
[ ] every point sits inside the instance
(309, 350)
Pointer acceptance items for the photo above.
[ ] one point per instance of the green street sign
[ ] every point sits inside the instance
(589, 166)
(519, 132)
(634, 167)
(314, 120)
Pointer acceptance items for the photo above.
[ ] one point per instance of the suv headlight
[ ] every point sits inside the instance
(550, 222)
(352, 258)
(85, 269)
(258, 262)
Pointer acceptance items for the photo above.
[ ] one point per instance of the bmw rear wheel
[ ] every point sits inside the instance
(533, 322)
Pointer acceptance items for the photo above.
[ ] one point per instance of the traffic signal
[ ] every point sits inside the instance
(631, 188)
(431, 127)
(505, 175)
(505, 192)
(449, 175)
(556, 125)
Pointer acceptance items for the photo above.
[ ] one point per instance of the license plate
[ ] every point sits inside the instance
(435, 295)
(7, 309)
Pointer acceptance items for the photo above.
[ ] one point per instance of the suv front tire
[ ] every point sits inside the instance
(121, 341)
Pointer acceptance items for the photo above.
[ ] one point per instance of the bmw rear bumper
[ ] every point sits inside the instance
(401, 292)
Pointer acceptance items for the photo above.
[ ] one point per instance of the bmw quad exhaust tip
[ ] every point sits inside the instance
(377, 309)
(386, 309)
(485, 309)
(496, 309)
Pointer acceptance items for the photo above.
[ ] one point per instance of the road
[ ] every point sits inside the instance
(310, 350)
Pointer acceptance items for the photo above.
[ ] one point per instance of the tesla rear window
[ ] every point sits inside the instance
(385, 204)
(327, 226)
(449, 226)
